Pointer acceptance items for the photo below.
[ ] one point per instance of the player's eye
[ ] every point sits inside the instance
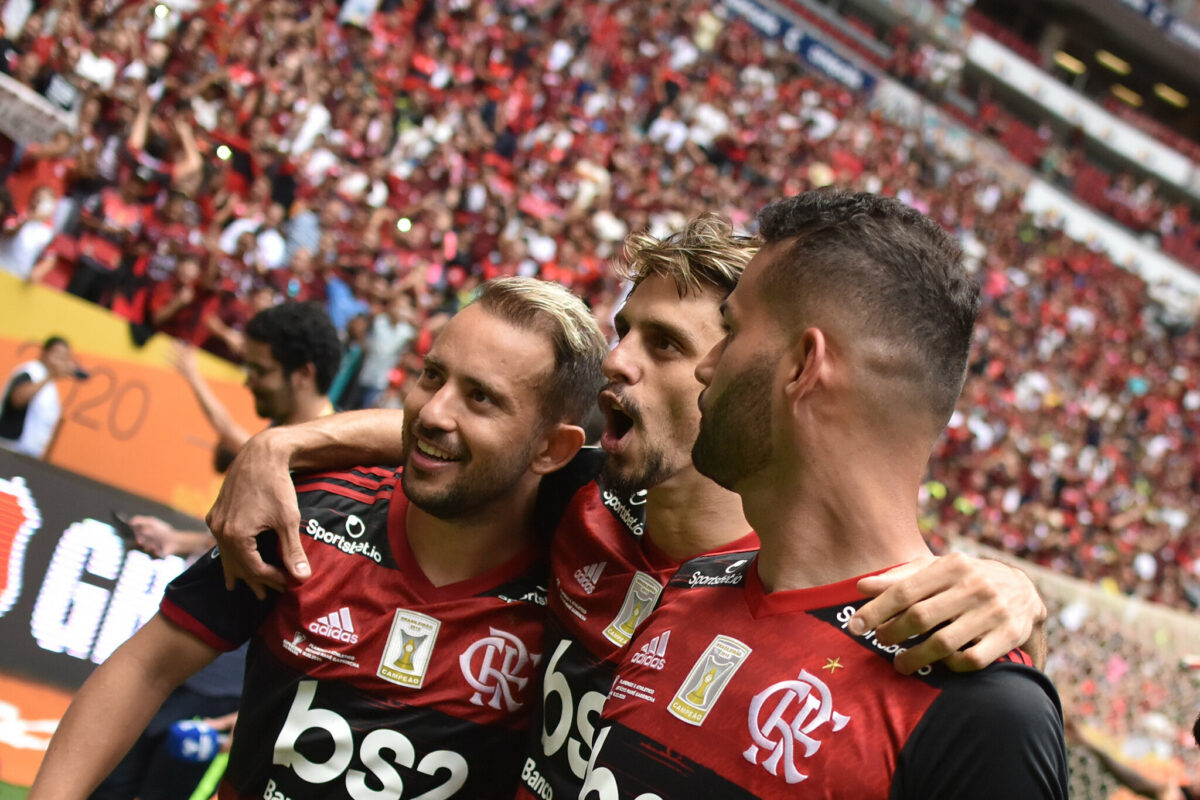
(665, 344)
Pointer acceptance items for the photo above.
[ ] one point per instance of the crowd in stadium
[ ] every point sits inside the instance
(1160, 215)
(387, 169)
(267, 150)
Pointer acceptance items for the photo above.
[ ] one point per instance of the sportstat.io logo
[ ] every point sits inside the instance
(19, 520)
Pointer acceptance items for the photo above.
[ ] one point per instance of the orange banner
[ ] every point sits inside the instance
(30, 714)
(134, 424)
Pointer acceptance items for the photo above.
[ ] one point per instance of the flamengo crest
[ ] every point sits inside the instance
(794, 711)
(494, 667)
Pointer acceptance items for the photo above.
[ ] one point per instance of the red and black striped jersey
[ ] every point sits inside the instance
(367, 680)
(731, 692)
(605, 579)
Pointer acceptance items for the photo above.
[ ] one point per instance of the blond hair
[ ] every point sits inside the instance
(579, 347)
(705, 253)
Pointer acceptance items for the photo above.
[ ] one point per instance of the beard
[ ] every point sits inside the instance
(735, 437)
(625, 480)
(624, 476)
(476, 485)
(275, 405)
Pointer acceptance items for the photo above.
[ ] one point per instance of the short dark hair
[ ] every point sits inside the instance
(54, 341)
(897, 274)
(299, 334)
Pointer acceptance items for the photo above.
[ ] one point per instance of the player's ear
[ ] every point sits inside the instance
(807, 358)
(559, 445)
(306, 374)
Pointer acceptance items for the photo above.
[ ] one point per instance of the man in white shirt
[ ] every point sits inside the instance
(23, 247)
(31, 409)
(391, 332)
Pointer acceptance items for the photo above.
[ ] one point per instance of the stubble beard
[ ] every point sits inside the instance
(471, 492)
(735, 438)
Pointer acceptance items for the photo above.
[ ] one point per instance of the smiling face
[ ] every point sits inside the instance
(649, 402)
(475, 418)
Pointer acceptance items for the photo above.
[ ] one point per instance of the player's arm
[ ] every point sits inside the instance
(115, 705)
(985, 608)
(24, 388)
(258, 494)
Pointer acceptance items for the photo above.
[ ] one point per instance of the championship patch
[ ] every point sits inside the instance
(409, 648)
(707, 679)
(640, 600)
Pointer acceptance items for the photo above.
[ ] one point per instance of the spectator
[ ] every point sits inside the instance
(30, 411)
(390, 333)
(25, 237)
(111, 222)
(178, 303)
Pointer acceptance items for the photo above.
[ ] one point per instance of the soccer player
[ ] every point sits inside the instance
(615, 547)
(408, 662)
(845, 351)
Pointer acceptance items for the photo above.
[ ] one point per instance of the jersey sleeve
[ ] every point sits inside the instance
(198, 601)
(991, 734)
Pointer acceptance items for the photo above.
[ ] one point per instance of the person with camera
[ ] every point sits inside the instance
(31, 409)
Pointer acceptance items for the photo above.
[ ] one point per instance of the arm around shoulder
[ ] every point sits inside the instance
(991, 734)
(115, 705)
(258, 495)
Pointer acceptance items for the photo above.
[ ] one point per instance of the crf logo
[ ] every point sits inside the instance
(497, 666)
(786, 713)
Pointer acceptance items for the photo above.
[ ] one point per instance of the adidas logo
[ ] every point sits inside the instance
(653, 652)
(587, 576)
(337, 626)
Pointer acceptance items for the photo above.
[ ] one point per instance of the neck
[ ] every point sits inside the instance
(688, 514)
(450, 551)
(836, 518)
(309, 408)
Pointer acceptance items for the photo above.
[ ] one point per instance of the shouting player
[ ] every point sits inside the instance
(409, 661)
(845, 351)
(615, 547)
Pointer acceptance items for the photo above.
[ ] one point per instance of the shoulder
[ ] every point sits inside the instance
(579, 472)
(352, 510)
(992, 733)
(31, 371)
(362, 484)
(1014, 693)
(560, 488)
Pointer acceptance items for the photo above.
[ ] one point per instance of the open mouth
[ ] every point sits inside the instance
(435, 453)
(618, 421)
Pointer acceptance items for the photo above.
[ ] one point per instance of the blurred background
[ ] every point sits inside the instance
(171, 168)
